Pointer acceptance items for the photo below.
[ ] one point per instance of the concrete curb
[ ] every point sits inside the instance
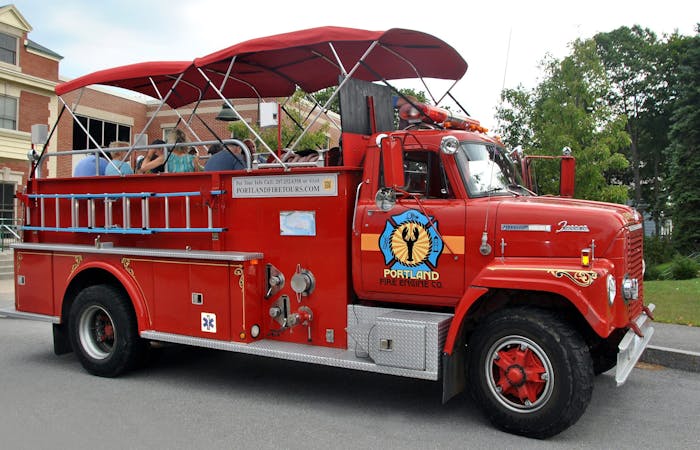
(672, 358)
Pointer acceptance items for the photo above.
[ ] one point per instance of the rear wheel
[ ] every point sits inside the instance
(529, 372)
(104, 332)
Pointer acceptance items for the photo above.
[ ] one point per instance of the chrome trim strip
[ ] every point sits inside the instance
(635, 227)
(525, 227)
(157, 252)
(14, 314)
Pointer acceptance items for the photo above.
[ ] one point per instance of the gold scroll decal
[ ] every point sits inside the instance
(582, 278)
(76, 264)
(126, 262)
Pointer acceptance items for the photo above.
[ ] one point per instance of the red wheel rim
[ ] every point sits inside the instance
(519, 374)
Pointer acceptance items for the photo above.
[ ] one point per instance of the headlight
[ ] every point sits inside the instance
(630, 288)
(612, 289)
(449, 145)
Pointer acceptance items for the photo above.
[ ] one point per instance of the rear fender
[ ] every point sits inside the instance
(132, 289)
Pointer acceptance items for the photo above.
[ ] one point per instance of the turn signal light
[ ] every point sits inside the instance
(586, 257)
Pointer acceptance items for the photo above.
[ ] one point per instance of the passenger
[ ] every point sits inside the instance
(153, 162)
(122, 167)
(230, 158)
(180, 160)
(215, 148)
(86, 167)
(251, 145)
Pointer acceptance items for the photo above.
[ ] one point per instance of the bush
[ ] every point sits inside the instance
(653, 273)
(657, 250)
(684, 268)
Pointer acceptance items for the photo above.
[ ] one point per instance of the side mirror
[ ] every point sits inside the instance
(567, 182)
(392, 162)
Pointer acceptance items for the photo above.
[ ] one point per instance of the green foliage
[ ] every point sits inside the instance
(684, 268)
(684, 180)
(653, 273)
(323, 95)
(514, 112)
(642, 73)
(657, 250)
(313, 139)
(239, 130)
(566, 109)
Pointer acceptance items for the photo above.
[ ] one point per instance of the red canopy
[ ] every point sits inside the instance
(306, 59)
(273, 66)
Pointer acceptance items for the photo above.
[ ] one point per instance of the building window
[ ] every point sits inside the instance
(8, 48)
(8, 112)
(7, 203)
(101, 131)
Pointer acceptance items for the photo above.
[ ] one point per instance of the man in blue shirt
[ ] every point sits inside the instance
(231, 159)
(86, 167)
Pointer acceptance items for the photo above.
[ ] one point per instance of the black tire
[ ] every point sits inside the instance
(517, 397)
(104, 331)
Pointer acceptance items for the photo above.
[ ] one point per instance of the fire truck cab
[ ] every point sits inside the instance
(413, 252)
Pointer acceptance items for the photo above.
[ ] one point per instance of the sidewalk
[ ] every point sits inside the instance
(674, 346)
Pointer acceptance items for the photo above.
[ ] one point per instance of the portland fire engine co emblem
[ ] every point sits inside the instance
(411, 246)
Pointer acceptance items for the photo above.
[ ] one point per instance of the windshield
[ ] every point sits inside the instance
(487, 170)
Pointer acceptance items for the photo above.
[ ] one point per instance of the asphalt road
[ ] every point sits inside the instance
(202, 399)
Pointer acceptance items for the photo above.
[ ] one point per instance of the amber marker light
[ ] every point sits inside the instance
(586, 257)
(242, 335)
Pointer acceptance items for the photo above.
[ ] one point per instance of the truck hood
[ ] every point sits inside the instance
(558, 227)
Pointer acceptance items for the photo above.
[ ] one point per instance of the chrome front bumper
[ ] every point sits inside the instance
(632, 346)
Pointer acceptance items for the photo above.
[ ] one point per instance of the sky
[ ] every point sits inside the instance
(502, 41)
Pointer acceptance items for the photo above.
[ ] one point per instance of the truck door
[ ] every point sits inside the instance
(413, 252)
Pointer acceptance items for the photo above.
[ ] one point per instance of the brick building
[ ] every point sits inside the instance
(29, 74)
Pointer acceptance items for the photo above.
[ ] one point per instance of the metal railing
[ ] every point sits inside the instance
(9, 232)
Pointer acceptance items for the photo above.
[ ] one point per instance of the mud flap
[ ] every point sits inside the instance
(61, 343)
(453, 373)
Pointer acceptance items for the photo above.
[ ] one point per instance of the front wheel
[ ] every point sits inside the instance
(530, 372)
(104, 332)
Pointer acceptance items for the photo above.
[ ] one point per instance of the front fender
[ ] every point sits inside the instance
(584, 288)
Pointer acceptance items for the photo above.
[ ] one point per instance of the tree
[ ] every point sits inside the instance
(315, 138)
(514, 113)
(641, 71)
(683, 151)
(566, 109)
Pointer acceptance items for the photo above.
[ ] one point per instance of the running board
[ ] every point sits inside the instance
(325, 356)
(14, 314)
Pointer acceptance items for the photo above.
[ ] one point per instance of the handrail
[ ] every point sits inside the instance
(166, 147)
(12, 232)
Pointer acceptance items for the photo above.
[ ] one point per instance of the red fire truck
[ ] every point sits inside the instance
(412, 251)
